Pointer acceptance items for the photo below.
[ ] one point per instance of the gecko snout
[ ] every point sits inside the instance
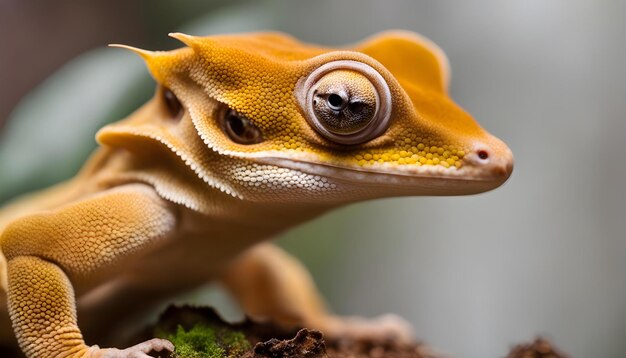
(492, 158)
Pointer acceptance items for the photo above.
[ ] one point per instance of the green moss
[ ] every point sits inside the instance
(203, 341)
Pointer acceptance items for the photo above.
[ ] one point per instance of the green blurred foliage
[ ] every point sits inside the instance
(51, 133)
(203, 341)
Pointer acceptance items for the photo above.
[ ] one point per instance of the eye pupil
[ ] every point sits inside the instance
(335, 101)
(174, 107)
(236, 125)
(240, 129)
(356, 107)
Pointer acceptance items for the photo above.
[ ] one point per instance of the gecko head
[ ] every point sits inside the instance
(303, 122)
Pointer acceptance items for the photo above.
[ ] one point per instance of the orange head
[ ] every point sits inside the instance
(374, 119)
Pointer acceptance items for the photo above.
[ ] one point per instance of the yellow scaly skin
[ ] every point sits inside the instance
(173, 199)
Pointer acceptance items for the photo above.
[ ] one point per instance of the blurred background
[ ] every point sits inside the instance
(544, 254)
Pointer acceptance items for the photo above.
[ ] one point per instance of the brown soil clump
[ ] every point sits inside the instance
(540, 348)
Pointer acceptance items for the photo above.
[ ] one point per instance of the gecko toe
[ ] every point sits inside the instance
(141, 350)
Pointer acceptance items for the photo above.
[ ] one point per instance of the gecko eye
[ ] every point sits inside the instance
(240, 129)
(347, 102)
(174, 107)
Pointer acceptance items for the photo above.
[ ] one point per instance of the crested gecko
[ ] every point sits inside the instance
(246, 136)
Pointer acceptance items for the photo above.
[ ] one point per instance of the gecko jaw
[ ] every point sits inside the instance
(409, 179)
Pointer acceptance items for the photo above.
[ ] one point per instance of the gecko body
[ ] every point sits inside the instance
(246, 136)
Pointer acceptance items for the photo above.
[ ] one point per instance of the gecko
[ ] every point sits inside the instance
(246, 136)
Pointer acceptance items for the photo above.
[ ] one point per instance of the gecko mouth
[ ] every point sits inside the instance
(472, 178)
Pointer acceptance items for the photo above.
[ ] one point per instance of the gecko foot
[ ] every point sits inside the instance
(140, 350)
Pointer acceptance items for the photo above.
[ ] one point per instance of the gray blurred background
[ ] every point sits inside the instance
(544, 254)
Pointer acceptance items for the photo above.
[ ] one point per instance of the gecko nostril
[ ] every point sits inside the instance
(483, 154)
